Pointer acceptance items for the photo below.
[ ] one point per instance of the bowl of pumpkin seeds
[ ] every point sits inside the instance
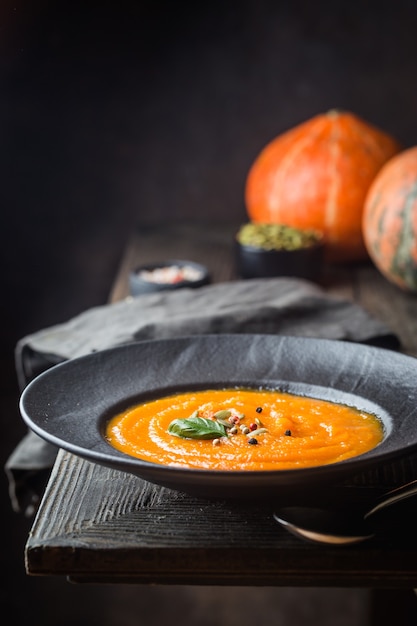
(270, 250)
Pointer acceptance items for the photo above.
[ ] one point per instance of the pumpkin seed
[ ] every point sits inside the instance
(258, 431)
(224, 422)
(223, 414)
(276, 236)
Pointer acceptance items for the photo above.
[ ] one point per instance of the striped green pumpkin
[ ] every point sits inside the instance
(390, 220)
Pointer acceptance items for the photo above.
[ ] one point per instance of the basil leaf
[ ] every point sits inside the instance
(196, 428)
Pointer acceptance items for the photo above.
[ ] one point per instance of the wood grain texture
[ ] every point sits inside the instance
(99, 525)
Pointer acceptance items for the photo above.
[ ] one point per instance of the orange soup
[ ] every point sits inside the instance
(243, 429)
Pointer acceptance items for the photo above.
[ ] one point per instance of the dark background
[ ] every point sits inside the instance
(118, 113)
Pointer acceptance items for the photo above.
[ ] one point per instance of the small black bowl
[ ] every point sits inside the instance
(172, 275)
(304, 262)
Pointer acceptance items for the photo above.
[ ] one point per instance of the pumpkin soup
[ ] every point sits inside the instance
(243, 429)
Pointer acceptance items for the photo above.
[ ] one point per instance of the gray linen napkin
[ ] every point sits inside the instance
(285, 306)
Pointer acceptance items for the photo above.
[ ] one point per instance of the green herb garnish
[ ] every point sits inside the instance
(197, 428)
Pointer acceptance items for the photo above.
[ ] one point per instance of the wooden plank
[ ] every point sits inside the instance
(98, 525)
(387, 302)
(209, 244)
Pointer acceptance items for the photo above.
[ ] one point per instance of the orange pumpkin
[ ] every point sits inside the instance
(390, 220)
(316, 175)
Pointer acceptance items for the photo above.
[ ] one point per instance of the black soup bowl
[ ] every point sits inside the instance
(70, 404)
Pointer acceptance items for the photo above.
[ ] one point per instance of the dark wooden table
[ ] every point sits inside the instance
(99, 525)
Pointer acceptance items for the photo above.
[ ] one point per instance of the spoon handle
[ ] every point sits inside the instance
(395, 495)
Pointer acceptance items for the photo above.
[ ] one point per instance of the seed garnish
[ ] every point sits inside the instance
(222, 423)
(258, 431)
(223, 414)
